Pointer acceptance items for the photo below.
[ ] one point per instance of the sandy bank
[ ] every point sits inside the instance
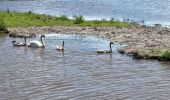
(143, 42)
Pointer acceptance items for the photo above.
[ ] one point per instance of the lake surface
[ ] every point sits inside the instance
(151, 11)
(78, 73)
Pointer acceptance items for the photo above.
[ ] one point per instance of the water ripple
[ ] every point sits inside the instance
(78, 72)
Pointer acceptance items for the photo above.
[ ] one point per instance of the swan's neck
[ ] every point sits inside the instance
(25, 40)
(42, 42)
(63, 45)
(110, 47)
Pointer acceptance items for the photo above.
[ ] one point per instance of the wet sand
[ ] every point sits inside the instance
(143, 42)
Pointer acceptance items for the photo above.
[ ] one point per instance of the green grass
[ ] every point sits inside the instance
(28, 19)
(2, 24)
(165, 55)
(78, 19)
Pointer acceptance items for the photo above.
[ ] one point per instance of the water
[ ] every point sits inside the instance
(151, 11)
(78, 73)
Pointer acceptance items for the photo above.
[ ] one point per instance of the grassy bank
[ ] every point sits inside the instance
(157, 54)
(28, 19)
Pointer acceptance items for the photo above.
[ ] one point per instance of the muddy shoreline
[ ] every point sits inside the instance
(143, 42)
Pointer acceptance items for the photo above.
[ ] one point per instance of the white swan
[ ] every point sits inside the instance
(61, 48)
(37, 44)
(106, 51)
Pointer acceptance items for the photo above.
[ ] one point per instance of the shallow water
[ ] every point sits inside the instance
(78, 73)
(151, 11)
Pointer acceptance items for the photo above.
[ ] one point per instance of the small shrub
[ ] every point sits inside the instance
(29, 12)
(78, 19)
(63, 17)
(8, 11)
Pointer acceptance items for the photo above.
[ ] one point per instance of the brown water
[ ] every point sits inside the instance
(78, 73)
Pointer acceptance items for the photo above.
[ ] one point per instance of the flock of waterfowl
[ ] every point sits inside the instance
(40, 44)
(33, 44)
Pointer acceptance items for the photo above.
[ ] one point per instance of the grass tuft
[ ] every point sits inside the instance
(78, 19)
(165, 54)
(29, 12)
(63, 17)
(2, 24)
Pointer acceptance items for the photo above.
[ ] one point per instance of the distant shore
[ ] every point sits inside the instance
(143, 42)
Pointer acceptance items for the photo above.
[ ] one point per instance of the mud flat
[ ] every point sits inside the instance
(143, 42)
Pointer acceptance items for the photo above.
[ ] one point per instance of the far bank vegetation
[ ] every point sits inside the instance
(28, 19)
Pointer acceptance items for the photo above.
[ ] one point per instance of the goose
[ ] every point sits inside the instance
(37, 44)
(19, 43)
(61, 48)
(106, 51)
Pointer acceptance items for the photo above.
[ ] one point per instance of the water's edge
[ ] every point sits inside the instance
(143, 42)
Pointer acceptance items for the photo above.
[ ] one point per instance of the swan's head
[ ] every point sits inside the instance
(43, 36)
(111, 43)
